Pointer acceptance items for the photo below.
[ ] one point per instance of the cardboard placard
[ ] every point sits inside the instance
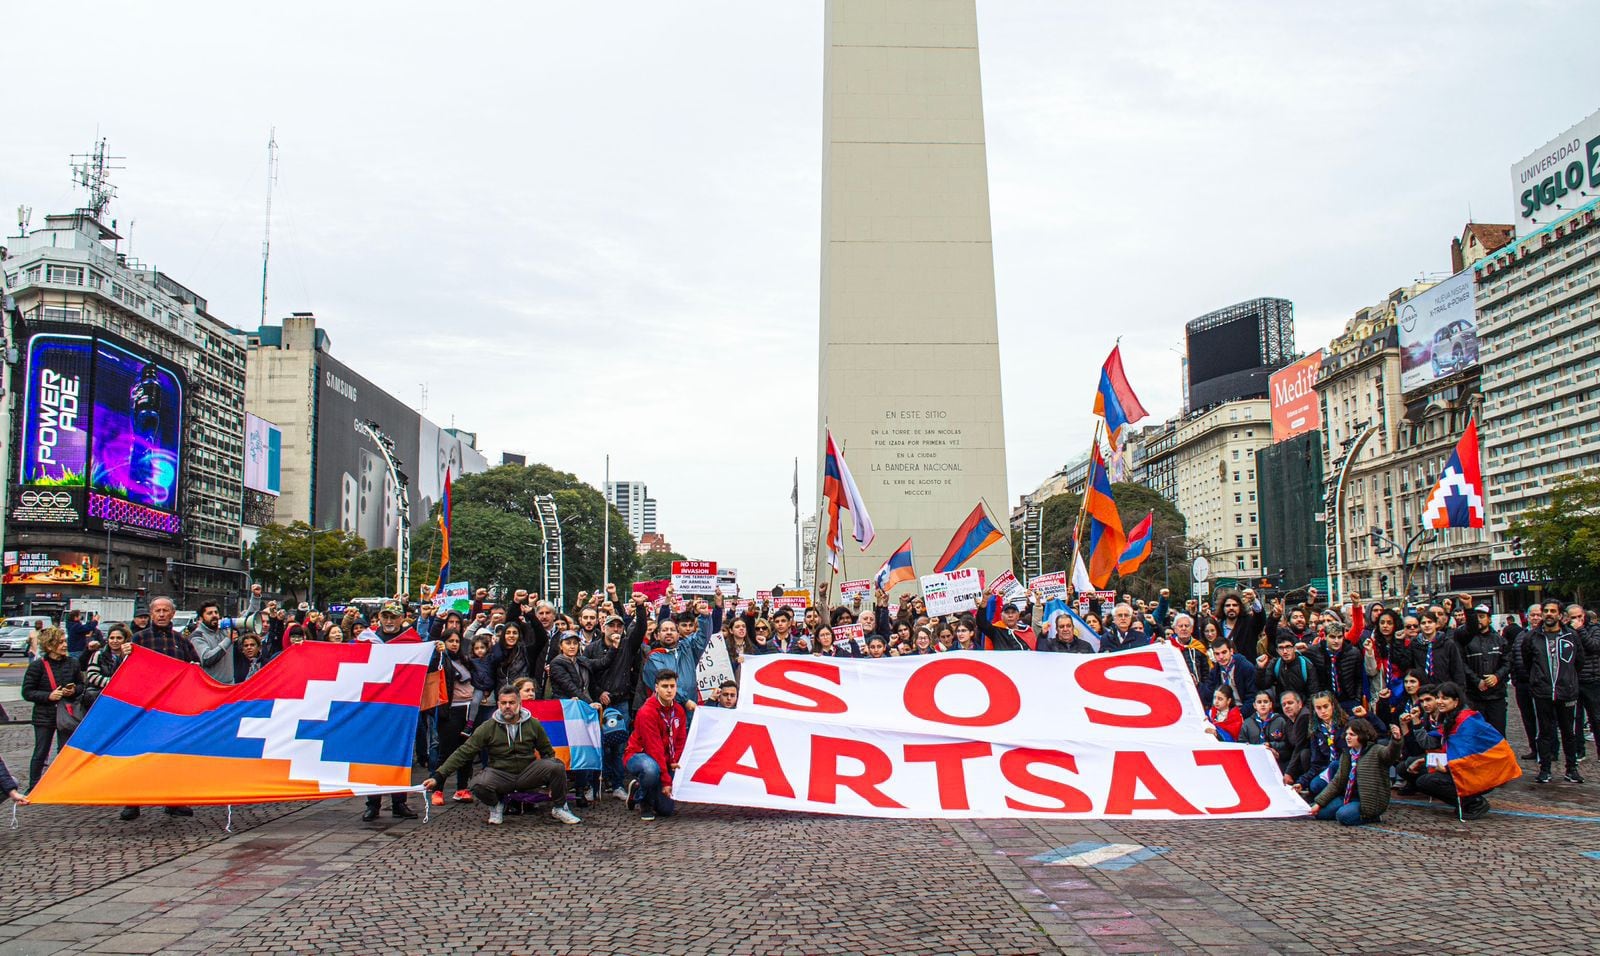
(694, 577)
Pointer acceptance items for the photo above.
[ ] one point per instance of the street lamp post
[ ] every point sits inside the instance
(1166, 568)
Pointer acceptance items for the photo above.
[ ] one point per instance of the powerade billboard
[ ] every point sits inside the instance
(102, 436)
(353, 490)
(1558, 177)
(1438, 332)
(137, 438)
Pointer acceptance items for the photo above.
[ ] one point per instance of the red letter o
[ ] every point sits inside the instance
(1005, 701)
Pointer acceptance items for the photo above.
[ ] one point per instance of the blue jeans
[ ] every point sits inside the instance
(1348, 814)
(612, 751)
(648, 771)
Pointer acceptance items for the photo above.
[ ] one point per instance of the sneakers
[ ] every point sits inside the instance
(647, 814)
(463, 796)
(1581, 758)
(633, 794)
(497, 816)
(1544, 776)
(619, 793)
(561, 814)
(588, 793)
(436, 798)
(1573, 777)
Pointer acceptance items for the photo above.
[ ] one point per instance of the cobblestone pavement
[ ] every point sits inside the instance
(304, 878)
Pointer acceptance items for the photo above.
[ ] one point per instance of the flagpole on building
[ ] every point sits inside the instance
(795, 498)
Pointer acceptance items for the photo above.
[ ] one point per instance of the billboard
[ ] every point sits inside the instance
(263, 456)
(53, 568)
(1295, 407)
(352, 487)
(136, 441)
(1557, 178)
(101, 436)
(1438, 332)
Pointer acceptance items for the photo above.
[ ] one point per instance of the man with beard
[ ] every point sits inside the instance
(162, 638)
(1238, 621)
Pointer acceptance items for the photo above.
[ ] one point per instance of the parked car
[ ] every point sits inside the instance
(1455, 346)
(14, 639)
(27, 620)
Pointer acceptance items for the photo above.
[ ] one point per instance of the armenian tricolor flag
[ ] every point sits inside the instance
(975, 534)
(1140, 544)
(444, 535)
(1106, 538)
(897, 570)
(573, 728)
(320, 720)
(1479, 758)
(840, 491)
(1114, 401)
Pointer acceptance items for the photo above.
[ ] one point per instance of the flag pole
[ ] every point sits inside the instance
(1083, 504)
(796, 499)
(605, 533)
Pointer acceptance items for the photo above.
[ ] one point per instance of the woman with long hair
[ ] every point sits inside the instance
(458, 692)
(50, 680)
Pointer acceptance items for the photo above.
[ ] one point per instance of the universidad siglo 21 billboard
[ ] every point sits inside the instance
(101, 438)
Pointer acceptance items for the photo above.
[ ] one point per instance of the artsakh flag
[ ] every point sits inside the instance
(319, 721)
(897, 569)
(1114, 400)
(1479, 758)
(1457, 498)
(573, 728)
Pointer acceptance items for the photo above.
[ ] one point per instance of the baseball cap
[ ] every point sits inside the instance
(393, 607)
(1482, 609)
(614, 619)
(569, 636)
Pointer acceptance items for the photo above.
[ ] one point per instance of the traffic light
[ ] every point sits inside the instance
(1383, 584)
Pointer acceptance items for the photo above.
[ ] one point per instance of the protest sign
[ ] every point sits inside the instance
(728, 581)
(455, 596)
(715, 666)
(1052, 586)
(952, 592)
(850, 589)
(1016, 698)
(694, 577)
(1106, 599)
(794, 602)
(757, 759)
(1002, 583)
(653, 591)
(845, 633)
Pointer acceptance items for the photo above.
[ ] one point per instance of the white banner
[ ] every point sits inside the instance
(1143, 694)
(740, 758)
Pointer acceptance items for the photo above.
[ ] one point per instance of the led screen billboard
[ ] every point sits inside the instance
(136, 441)
(101, 438)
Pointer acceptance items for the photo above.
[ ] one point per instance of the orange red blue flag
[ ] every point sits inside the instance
(319, 721)
(1106, 538)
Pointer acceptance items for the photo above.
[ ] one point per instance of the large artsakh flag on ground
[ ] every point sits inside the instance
(319, 721)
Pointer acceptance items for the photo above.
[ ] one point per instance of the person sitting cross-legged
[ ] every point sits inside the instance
(659, 731)
(520, 758)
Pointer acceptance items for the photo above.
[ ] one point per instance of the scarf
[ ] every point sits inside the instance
(1350, 785)
(1333, 673)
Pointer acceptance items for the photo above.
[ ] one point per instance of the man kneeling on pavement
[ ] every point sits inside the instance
(520, 758)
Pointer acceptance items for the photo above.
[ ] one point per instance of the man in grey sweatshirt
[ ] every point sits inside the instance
(213, 645)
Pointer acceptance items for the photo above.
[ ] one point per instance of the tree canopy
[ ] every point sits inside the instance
(1563, 537)
(1133, 503)
(281, 559)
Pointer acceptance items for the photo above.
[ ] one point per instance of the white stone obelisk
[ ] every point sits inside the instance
(909, 364)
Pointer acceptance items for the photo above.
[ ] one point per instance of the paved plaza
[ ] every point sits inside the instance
(303, 878)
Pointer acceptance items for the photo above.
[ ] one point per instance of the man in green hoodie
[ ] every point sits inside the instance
(520, 758)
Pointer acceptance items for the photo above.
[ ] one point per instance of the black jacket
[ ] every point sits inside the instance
(1486, 652)
(573, 676)
(1447, 663)
(36, 687)
(1589, 637)
(1073, 645)
(1348, 664)
(1297, 738)
(621, 670)
(1300, 675)
(1554, 661)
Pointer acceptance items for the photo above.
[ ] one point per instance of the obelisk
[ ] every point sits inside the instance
(909, 364)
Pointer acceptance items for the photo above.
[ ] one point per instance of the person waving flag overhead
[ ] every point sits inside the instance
(839, 490)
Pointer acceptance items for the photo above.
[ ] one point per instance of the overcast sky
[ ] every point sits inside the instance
(595, 227)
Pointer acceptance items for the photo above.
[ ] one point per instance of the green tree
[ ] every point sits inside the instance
(657, 564)
(495, 539)
(1563, 536)
(281, 559)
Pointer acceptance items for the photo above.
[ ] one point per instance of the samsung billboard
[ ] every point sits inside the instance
(353, 488)
(102, 436)
(1438, 332)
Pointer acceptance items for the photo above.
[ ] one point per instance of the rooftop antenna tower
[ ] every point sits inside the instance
(266, 236)
(92, 171)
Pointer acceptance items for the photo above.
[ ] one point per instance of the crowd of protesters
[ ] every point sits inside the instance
(1356, 702)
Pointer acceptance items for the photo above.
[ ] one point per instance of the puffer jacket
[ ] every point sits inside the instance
(1589, 638)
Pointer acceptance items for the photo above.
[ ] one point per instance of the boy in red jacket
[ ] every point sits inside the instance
(654, 749)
